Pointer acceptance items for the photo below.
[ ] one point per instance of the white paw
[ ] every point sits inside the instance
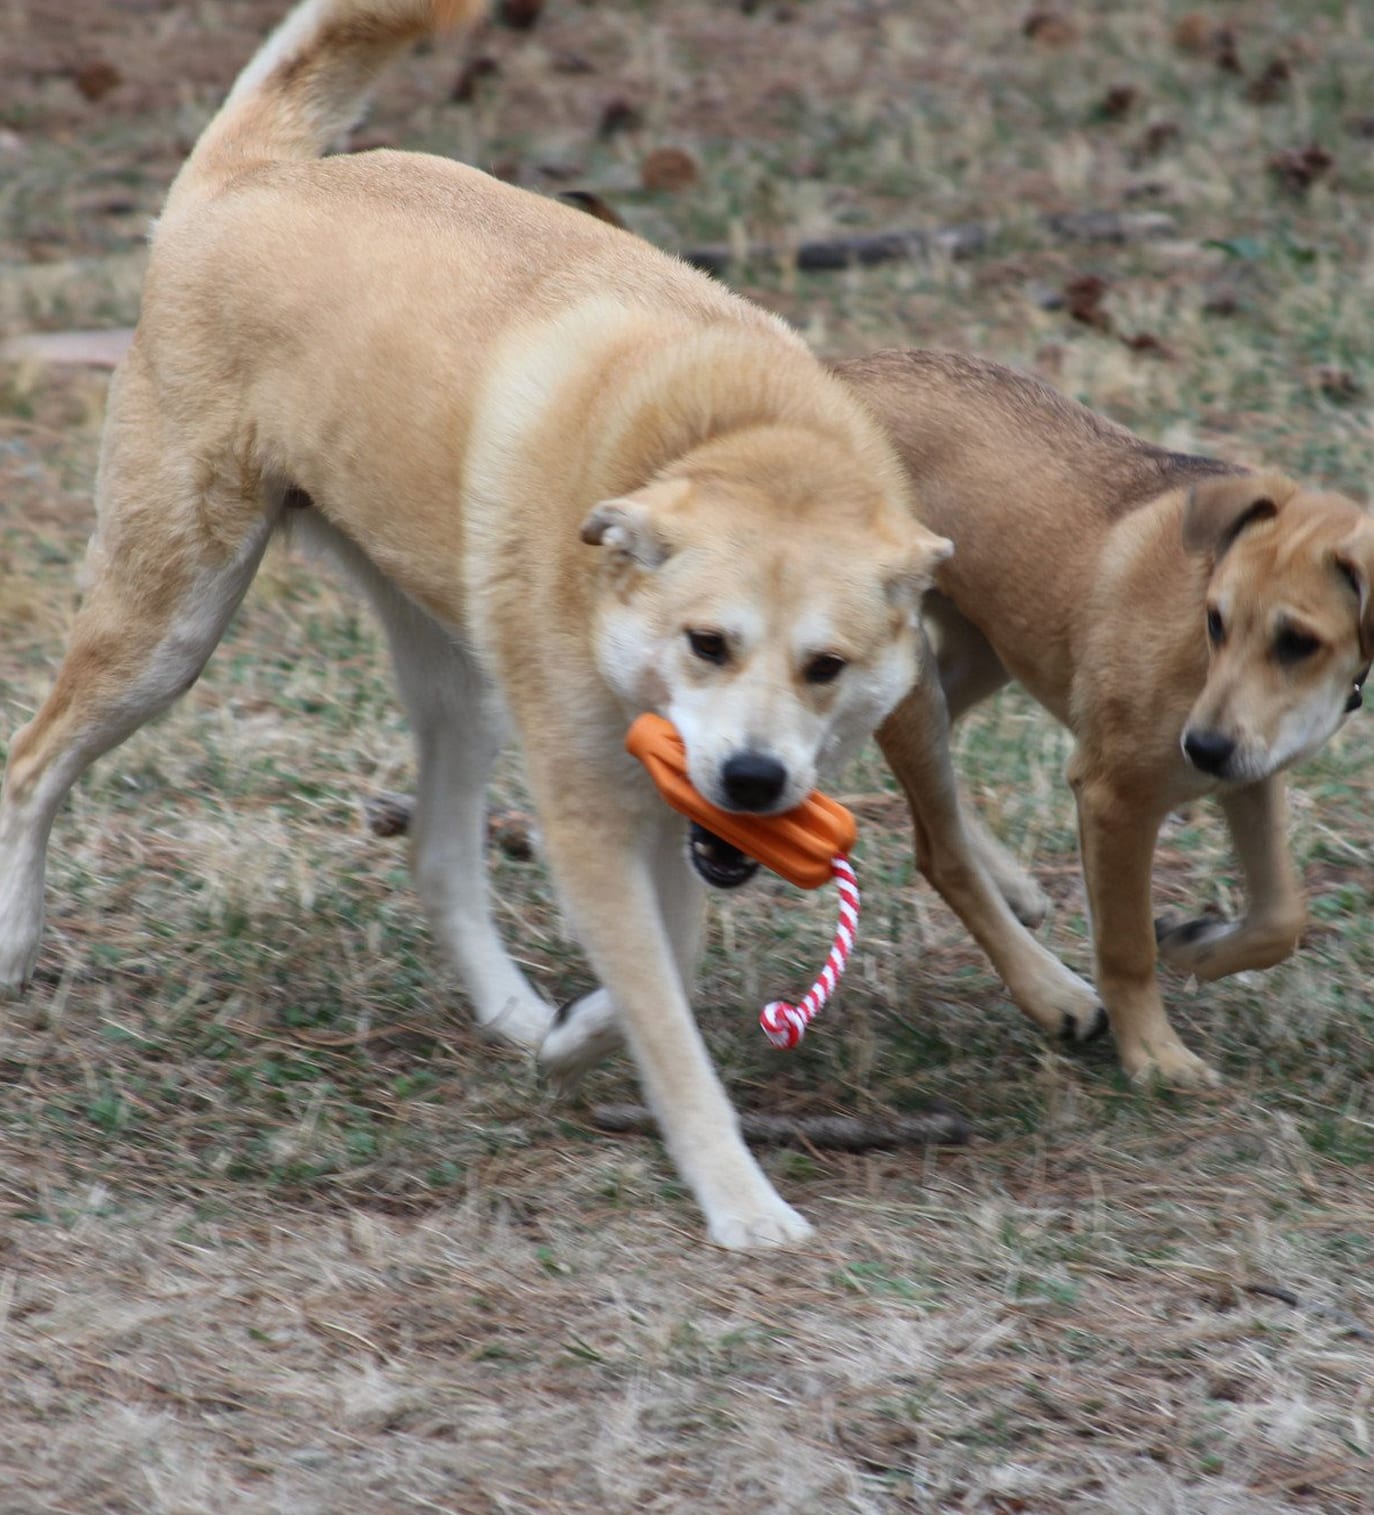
(524, 1023)
(18, 951)
(583, 1034)
(1029, 902)
(775, 1224)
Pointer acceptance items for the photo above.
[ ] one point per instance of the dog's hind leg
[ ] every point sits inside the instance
(970, 671)
(914, 740)
(177, 544)
(1275, 912)
(459, 728)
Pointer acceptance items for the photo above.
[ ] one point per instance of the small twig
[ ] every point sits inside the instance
(840, 1133)
(964, 240)
(1341, 1318)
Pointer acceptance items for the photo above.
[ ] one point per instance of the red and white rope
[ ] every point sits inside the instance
(784, 1025)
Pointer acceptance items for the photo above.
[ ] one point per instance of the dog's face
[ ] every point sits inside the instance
(1289, 624)
(774, 642)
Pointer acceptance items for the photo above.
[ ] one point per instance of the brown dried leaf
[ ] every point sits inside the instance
(1083, 300)
(1298, 168)
(1272, 84)
(1050, 29)
(670, 169)
(1147, 342)
(519, 15)
(474, 71)
(96, 78)
(619, 116)
(1119, 101)
(1156, 138)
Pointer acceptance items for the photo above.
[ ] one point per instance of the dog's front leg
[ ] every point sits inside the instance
(1275, 914)
(602, 848)
(915, 742)
(1117, 839)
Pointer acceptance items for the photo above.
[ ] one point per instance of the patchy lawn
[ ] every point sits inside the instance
(278, 1233)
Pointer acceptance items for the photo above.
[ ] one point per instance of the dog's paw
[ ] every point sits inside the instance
(18, 954)
(1168, 1067)
(762, 1229)
(523, 1023)
(584, 1033)
(1187, 944)
(1084, 1021)
(1028, 901)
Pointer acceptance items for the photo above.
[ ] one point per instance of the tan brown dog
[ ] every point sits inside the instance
(1196, 627)
(578, 481)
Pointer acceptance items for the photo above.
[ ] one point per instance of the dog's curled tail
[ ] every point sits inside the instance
(308, 83)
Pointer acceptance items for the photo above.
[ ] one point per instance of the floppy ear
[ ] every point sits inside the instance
(914, 573)
(1219, 509)
(1355, 560)
(631, 526)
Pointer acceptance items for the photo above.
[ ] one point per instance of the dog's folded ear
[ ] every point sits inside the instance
(914, 572)
(1354, 560)
(632, 526)
(1219, 509)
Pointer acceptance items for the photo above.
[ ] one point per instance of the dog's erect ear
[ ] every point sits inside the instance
(632, 526)
(914, 573)
(1219, 509)
(1355, 562)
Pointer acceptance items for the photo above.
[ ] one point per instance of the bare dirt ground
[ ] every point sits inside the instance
(279, 1234)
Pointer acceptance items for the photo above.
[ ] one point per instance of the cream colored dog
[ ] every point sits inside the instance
(1198, 629)
(578, 481)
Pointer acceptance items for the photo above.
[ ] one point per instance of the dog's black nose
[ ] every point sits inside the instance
(1208, 750)
(752, 780)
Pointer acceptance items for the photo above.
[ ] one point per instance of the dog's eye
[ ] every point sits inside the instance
(1216, 627)
(709, 646)
(1292, 646)
(824, 668)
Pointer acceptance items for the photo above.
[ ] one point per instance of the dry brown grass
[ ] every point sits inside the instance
(277, 1233)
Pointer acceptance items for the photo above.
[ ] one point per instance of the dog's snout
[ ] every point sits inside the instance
(1208, 750)
(753, 780)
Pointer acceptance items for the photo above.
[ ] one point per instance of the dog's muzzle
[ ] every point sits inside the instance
(718, 863)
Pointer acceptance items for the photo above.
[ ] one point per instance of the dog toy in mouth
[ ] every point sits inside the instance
(807, 846)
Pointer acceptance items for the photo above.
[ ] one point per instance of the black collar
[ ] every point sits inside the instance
(1357, 693)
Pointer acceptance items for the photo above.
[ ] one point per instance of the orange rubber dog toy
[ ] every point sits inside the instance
(808, 846)
(800, 844)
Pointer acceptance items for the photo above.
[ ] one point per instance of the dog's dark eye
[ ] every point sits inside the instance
(1292, 646)
(824, 668)
(709, 646)
(1216, 627)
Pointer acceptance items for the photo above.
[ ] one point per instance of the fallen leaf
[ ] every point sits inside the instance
(519, 15)
(1155, 139)
(1298, 168)
(1335, 383)
(1192, 33)
(474, 71)
(1272, 84)
(669, 169)
(1146, 341)
(1049, 29)
(1083, 300)
(1119, 101)
(619, 116)
(96, 78)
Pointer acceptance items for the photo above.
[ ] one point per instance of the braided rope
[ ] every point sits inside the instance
(784, 1025)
